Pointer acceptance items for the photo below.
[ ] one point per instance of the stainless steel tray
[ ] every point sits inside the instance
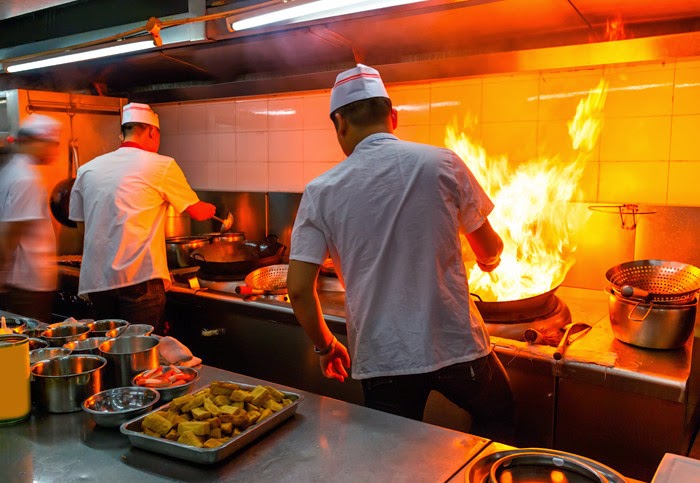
(208, 455)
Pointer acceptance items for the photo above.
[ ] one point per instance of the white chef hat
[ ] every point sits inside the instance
(361, 82)
(135, 112)
(40, 127)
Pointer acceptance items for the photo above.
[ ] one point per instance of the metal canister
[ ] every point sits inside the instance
(15, 403)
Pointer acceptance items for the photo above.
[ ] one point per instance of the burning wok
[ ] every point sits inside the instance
(231, 259)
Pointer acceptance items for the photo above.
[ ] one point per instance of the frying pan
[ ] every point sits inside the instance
(229, 259)
(60, 194)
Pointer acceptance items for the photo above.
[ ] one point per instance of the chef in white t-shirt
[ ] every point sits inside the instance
(28, 272)
(120, 200)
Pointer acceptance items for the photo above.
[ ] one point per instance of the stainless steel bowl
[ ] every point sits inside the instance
(132, 330)
(127, 356)
(99, 328)
(113, 407)
(47, 353)
(91, 345)
(61, 385)
(170, 393)
(62, 334)
(35, 344)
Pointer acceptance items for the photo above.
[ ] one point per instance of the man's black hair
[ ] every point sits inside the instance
(129, 127)
(365, 112)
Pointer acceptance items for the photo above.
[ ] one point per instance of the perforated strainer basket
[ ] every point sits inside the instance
(665, 281)
(272, 277)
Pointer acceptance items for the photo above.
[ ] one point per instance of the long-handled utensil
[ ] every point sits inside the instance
(226, 222)
(577, 329)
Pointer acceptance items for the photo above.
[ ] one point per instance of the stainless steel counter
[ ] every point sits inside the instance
(327, 440)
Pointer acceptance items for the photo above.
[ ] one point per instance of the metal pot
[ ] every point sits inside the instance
(235, 258)
(178, 249)
(61, 385)
(651, 325)
(127, 356)
(233, 237)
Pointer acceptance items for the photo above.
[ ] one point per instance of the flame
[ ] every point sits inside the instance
(615, 29)
(532, 214)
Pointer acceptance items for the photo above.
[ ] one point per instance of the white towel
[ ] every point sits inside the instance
(172, 351)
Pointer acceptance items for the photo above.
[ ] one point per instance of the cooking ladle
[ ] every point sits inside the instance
(226, 223)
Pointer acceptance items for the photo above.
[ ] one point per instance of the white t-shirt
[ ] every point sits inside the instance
(122, 197)
(24, 198)
(389, 215)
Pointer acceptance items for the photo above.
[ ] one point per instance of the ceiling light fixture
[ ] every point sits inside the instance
(80, 56)
(308, 11)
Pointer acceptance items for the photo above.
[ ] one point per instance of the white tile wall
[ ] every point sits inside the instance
(647, 151)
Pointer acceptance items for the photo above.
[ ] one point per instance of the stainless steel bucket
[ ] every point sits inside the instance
(61, 385)
(127, 356)
(651, 325)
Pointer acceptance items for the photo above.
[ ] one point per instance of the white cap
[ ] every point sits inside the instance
(41, 127)
(355, 84)
(135, 112)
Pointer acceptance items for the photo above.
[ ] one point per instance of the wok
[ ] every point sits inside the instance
(237, 258)
(512, 311)
(60, 194)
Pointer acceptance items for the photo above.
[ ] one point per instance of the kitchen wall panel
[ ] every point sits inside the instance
(650, 121)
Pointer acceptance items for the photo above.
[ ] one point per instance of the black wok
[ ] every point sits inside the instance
(236, 258)
(60, 194)
(513, 311)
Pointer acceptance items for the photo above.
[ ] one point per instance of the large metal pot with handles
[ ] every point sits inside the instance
(651, 325)
(178, 249)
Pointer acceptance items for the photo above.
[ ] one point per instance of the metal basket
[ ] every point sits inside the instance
(665, 281)
(272, 277)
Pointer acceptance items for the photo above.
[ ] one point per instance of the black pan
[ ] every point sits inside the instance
(60, 194)
(513, 311)
(236, 258)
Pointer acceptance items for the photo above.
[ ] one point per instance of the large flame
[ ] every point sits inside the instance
(533, 213)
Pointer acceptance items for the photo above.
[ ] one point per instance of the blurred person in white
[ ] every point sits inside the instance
(119, 201)
(28, 273)
(390, 217)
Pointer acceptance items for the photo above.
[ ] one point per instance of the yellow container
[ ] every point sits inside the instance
(15, 403)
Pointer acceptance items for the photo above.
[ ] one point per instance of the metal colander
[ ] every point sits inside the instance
(665, 281)
(272, 277)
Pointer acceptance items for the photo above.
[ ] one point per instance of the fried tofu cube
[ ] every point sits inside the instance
(188, 437)
(218, 388)
(225, 418)
(276, 395)
(253, 416)
(238, 404)
(251, 407)
(215, 433)
(199, 428)
(272, 405)
(260, 394)
(226, 428)
(178, 402)
(221, 400)
(237, 431)
(286, 402)
(200, 414)
(211, 407)
(266, 413)
(239, 395)
(172, 435)
(157, 423)
(148, 432)
(240, 418)
(213, 443)
(226, 409)
(194, 403)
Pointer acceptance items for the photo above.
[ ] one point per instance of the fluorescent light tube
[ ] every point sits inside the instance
(80, 56)
(316, 10)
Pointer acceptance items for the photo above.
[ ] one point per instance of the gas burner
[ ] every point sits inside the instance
(557, 317)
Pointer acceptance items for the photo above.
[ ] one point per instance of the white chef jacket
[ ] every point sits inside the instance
(122, 197)
(389, 215)
(24, 198)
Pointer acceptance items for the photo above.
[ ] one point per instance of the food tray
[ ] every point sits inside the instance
(208, 455)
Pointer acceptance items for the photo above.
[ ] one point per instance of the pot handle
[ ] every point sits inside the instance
(636, 319)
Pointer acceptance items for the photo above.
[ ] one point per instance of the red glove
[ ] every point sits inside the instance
(201, 211)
